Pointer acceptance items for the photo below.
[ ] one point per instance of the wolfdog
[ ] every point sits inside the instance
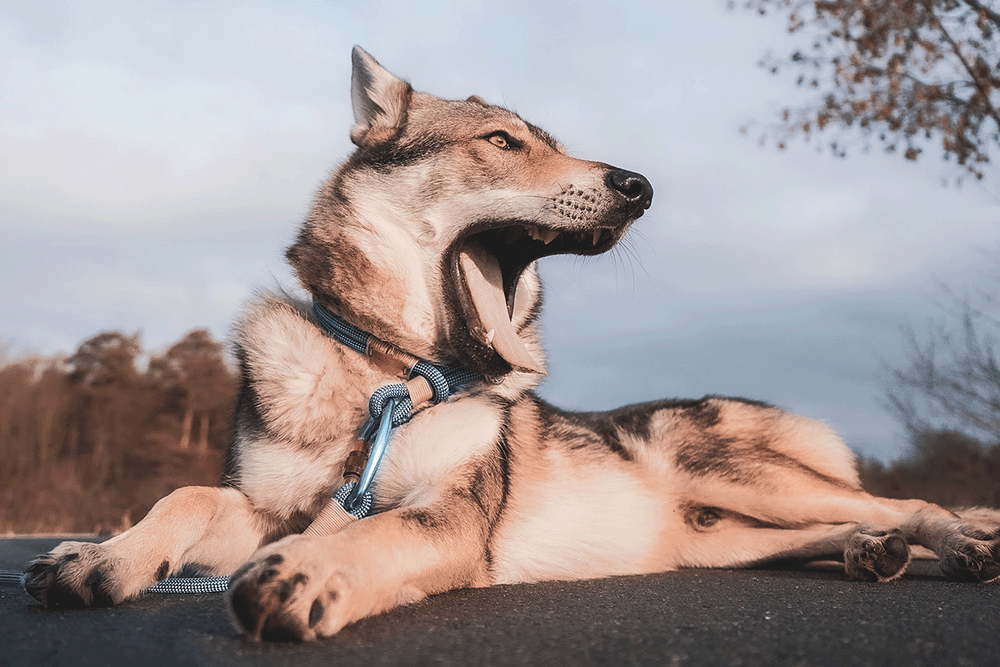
(419, 257)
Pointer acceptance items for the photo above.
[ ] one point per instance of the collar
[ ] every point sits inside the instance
(424, 379)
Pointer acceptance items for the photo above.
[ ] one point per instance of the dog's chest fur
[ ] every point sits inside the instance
(305, 397)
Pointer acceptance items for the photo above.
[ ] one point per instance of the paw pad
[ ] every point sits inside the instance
(876, 555)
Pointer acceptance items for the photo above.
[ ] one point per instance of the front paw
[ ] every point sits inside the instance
(289, 592)
(73, 575)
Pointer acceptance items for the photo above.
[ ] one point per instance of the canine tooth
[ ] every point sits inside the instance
(489, 335)
(597, 235)
(549, 236)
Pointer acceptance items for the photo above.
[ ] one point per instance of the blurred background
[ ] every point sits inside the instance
(823, 234)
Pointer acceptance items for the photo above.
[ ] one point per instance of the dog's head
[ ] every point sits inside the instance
(427, 236)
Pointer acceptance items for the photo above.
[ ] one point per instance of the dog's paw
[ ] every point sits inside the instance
(289, 592)
(876, 554)
(971, 554)
(73, 575)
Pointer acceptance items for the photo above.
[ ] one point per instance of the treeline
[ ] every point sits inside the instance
(89, 442)
(944, 466)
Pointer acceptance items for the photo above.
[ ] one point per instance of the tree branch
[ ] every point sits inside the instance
(968, 68)
(979, 7)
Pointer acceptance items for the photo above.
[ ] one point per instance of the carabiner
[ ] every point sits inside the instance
(375, 454)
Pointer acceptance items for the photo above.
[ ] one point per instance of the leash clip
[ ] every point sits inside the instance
(375, 454)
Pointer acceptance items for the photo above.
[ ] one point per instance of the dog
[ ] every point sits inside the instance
(425, 242)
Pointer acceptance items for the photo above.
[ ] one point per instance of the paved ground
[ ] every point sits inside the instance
(693, 617)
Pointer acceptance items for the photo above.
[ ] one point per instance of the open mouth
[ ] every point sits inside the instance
(489, 264)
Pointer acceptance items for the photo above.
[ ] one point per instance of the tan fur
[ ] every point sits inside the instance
(493, 485)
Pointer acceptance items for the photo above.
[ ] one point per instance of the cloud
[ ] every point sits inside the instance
(130, 118)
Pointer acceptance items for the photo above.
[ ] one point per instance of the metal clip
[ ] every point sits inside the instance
(375, 453)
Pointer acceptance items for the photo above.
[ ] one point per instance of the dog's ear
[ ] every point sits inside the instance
(476, 99)
(379, 99)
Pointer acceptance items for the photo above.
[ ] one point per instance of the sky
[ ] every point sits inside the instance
(156, 159)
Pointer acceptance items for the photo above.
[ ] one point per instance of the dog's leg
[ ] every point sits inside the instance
(867, 530)
(869, 552)
(967, 543)
(306, 587)
(215, 528)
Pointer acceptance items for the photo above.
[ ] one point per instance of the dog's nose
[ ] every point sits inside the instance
(634, 187)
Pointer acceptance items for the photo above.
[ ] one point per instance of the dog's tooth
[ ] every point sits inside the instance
(597, 235)
(479, 334)
(549, 236)
(489, 335)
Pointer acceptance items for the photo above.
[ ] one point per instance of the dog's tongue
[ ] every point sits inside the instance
(485, 282)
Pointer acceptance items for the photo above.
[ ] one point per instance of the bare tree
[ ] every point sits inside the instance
(901, 72)
(951, 378)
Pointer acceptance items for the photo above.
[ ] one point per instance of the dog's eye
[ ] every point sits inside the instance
(707, 517)
(501, 140)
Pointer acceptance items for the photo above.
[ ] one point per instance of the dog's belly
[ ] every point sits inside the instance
(567, 519)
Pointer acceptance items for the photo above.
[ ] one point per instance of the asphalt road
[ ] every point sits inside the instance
(692, 617)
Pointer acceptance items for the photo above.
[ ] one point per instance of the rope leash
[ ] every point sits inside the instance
(10, 577)
(390, 406)
(189, 585)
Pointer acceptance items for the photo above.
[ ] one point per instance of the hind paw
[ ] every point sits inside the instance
(73, 575)
(971, 554)
(874, 554)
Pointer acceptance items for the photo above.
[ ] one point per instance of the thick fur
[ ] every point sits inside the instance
(493, 485)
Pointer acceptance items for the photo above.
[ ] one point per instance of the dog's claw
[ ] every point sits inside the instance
(971, 557)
